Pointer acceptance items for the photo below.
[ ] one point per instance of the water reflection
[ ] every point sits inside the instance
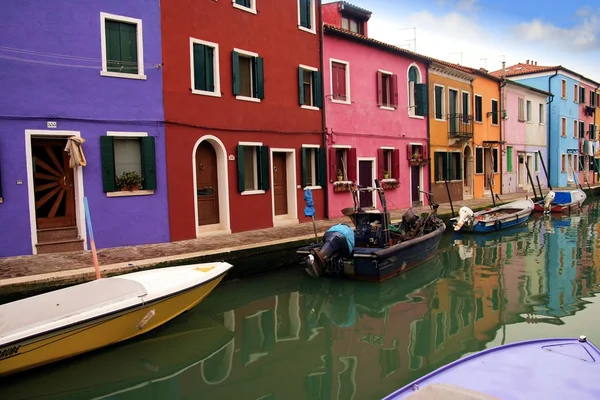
(287, 336)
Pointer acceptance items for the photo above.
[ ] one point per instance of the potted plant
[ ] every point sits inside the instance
(129, 181)
(386, 174)
(340, 175)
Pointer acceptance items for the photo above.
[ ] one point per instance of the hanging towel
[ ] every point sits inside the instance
(75, 150)
(590, 149)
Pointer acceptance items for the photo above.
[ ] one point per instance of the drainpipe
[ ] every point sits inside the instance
(548, 158)
(323, 119)
(502, 123)
(473, 152)
(429, 188)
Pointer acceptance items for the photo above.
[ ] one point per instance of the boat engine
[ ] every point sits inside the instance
(338, 243)
(465, 216)
(548, 201)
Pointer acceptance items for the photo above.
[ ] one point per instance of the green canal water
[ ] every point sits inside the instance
(287, 336)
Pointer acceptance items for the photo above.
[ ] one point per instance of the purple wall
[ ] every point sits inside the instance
(36, 90)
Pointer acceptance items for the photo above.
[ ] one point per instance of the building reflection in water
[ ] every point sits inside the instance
(287, 336)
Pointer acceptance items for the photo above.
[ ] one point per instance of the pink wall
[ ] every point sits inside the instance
(362, 124)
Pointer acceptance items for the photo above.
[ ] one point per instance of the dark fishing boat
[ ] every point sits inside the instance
(375, 249)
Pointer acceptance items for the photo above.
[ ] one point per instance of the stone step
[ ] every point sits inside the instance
(60, 246)
(54, 234)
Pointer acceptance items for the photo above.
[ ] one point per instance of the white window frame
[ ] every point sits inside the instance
(256, 145)
(346, 149)
(410, 93)
(576, 128)
(251, 9)
(443, 102)
(462, 108)
(312, 87)
(528, 111)
(475, 108)
(348, 98)
(248, 54)
(542, 113)
(313, 13)
(313, 159)
(575, 93)
(140, 45)
(217, 75)
(563, 123)
(563, 85)
(128, 135)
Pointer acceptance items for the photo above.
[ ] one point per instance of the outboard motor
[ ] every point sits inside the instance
(338, 243)
(465, 216)
(548, 201)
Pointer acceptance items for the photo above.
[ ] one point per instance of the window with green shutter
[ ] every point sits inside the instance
(442, 168)
(310, 91)
(421, 102)
(127, 162)
(252, 168)
(479, 160)
(509, 159)
(245, 3)
(495, 112)
(205, 63)
(121, 47)
(248, 75)
(305, 8)
(314, 168)
(439, 102)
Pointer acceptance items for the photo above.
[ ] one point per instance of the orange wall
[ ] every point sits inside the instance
(439, 129)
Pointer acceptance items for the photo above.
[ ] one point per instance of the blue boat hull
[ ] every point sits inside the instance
(483, 227)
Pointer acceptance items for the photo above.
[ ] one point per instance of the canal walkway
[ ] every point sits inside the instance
(19, 274)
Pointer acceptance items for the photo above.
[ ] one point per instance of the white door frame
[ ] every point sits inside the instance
(421, 195)
(292, 199)
(373, 161)
(224, 225)
(77, 181)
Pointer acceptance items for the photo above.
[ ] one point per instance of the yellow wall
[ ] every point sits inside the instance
(489, 89)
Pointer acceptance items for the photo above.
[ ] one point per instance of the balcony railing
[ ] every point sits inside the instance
(460, 125)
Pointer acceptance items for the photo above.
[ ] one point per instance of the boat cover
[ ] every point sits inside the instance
(562, 198)
(59, 304)
(347, 232)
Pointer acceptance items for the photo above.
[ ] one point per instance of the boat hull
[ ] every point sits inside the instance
(506, 221)
(100, 332)
(565, 201)
(534, 369)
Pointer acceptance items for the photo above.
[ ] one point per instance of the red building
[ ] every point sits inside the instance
(243, 110)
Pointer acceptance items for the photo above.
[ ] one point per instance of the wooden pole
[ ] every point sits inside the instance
(88, 221)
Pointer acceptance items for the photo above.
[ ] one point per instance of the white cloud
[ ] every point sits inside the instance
(444, 37)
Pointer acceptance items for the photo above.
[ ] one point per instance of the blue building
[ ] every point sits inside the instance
(572, 136)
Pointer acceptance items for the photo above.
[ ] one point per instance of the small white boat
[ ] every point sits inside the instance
(493, 219)
(66, 322)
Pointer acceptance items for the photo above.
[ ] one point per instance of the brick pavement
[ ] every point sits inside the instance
(23, 266)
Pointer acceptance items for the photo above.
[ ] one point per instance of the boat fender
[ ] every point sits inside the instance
(146, 319)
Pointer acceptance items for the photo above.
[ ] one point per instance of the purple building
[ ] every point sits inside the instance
(83, 76)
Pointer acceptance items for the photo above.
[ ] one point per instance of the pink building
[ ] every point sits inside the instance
(587, 131)
(373, 130)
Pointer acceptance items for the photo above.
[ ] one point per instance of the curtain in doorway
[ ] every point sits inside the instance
(75, 150)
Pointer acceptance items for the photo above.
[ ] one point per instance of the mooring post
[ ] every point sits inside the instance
(449, 197)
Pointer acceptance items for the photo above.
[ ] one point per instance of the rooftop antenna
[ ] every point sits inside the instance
(414, 39)
(484, 62)
(461, 58)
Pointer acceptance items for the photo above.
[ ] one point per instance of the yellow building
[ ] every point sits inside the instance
(451, 130)
(486, 136)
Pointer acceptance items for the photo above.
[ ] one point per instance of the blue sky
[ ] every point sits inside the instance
(489, 31)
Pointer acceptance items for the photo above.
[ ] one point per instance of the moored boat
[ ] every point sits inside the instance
(493, 219)
(66, 322)
(533, 369)
(559, 201)
(375, 249)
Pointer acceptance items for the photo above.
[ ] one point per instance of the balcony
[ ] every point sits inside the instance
(460, 126)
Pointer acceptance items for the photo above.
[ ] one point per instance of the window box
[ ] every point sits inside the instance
(342, 186)
(390, 184)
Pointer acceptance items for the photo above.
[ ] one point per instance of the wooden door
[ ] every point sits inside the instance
(280, 183)
(53, 184)
(365, 178)
(207, 194)
(415, 181)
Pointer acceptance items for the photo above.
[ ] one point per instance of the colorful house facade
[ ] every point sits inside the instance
(244, 114)
(91, 85)
(451, 131)
(376, 107)
(525, 134)
(568, 118)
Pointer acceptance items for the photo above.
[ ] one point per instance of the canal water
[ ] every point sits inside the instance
(287, 336)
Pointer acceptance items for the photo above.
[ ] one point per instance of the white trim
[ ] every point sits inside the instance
(140, 45)
(458, 99)
(443, 102)
(252, 192)
(224, 225)
(229, 352)
(313, 22)
(373, 161)
(462, 105)
(421, 194)
(250, 143)
(126, 134)
(310, 107)
(251, 10)
(77, 181)
(293, 312)
(491, 112)
(348, 99)
(311, 146)
(128, 193)
(245, 52)
(475, 96)
(552, 72)
(383, 71)
(246, 98)
(387, 108)
(291, 217)
(217, 75)
(341, 146)
(387, 148)
(307, 67)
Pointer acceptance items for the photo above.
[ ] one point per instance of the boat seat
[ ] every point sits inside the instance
(444, 391)
(64, 303)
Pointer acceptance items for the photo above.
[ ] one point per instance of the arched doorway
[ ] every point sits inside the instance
(467, 172)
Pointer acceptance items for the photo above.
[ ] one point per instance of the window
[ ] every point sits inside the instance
(306, 15)
(342, 164)
(205, 67)
(466, 107)
(313, 166)
(353, 25)
(246, 5)
(494, 112)
(509, 159)
(592, 99)
(563, 127)
(495, 160)
(127, 156)
(581, 94)
(598, 100)
(593, 131)
(576, 93)
(387, 90)
(479, 160)
(563, 89)
(248, 76)
(575, 128)
(541, 113)
(122, 46)
(455, 166)
(582, 129)
(252, 167)
(439, 102)
(528, 110)
(537, 162)
(309, 87)
(478, 108)
(564, 163)
(448, 166)
(417, 93)
(521, 110)
(388, 163)
(340, 81)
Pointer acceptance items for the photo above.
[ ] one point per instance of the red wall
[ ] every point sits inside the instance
(277, 121)
(331, 14)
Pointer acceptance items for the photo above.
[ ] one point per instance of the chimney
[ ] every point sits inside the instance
(527, 62)
(536, 63)
(503, 70)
